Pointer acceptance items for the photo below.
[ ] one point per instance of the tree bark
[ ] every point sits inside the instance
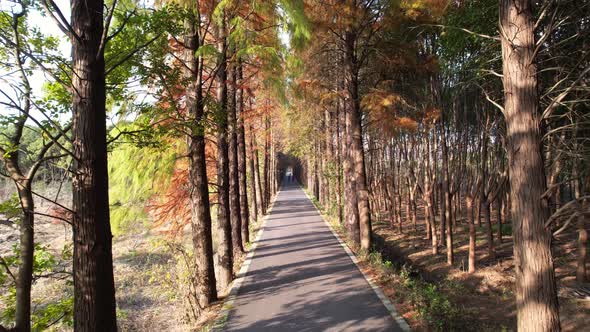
(486, 205)
(472, 234)
(350, 194)
(358, 157)
(242, 159)
(255, 200)
(258, 189)
(24, 279)
(94, 287)
(234, 178)
(205, 284)
(446, 205)
(536, 295)
(224, 248)
(266, 166)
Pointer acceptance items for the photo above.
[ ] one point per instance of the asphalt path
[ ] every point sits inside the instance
(301, 279)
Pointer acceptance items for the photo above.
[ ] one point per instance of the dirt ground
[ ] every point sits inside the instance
(486, 295)
(149, 271)
(145, 268)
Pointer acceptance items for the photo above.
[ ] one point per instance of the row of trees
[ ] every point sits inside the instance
(433, 106)
(212, 69)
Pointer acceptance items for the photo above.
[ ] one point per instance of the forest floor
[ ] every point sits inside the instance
(486, 297)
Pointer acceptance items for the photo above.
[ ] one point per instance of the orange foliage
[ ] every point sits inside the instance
(385, 110)
(171, 210)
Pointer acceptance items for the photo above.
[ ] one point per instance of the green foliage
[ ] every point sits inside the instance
(136, 173)
(60, 310)
(297, 22)
(45, 314)
(11, 208)
(433, 306)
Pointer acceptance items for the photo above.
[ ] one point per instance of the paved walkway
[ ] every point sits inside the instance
(301, 279)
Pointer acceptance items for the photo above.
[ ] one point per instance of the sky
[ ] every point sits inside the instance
(48, 27)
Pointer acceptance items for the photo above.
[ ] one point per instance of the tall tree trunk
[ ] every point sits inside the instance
(472, 234)
(205, 284)
(339, 147)
(242, 159)
(94, 286)
(536, 295)
(316, 180)
(234, 178)
(266, 169)
(446, 205)
(328, 162)
(253, 193)
(258, 184)
(224, 248)
(350, 194)
(430, 217)
(486, 206)
(358, 156)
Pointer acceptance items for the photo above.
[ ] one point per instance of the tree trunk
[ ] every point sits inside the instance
(94, 287)
(266, 167)
(446, 205)
(472, 234)
(253, 193)
(486, 206)
(234, 178)
(358, 158)
(350, 194)
(339, 147)
(242, 159)
(205, 284)
(536, 296)
(429, 197)
(26, 257)
(258, 189)
(327, 164)
(224, 229)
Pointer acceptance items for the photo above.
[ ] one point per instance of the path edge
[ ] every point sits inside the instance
(401, 322)
(227, 306)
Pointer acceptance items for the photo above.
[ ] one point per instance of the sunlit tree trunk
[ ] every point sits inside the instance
(205, 284)
(446, 205)
(224, 248)
(357, 153)
(536, 295)
(350, 194)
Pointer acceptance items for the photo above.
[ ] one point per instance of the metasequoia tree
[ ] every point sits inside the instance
(194, 37)
(94, 289)
(536, 294)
